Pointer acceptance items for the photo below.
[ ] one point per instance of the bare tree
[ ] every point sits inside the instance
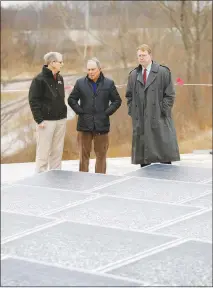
(191, 19)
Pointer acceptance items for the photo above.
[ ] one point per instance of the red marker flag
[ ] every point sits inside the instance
(179, 81)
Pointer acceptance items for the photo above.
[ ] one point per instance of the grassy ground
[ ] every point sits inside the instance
(202, 141)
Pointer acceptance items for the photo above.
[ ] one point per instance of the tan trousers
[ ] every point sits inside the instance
(101, 144)
(50, 144)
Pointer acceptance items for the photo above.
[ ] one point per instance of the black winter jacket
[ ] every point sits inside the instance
(46, 96)
(94, 109)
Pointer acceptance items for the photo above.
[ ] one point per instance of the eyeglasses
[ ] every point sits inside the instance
(61, 62)
(142, 55)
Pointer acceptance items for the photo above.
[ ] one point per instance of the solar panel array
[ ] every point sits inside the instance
(149, 227)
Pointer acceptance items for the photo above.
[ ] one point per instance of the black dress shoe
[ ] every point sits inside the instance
(143, 165)
(166, 162)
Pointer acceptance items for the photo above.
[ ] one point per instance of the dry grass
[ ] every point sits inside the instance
(23, 156)
(202, 141)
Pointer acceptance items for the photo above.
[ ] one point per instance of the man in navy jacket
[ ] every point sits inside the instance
(94, 99)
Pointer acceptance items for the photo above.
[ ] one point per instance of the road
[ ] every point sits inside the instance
(13, 111)
(15, 106)
(25, 84)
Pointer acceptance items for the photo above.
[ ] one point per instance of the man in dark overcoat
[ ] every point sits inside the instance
(150, 97)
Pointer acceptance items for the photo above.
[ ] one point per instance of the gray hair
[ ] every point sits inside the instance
(94, 59)
(52, 56)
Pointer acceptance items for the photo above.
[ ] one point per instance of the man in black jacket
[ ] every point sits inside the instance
(99, 99)
(46, 99)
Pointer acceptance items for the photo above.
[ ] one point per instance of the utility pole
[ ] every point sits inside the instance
(87, 16)
(86, 27)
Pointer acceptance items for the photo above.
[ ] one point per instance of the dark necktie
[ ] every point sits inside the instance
(54, 76)
(144, 76)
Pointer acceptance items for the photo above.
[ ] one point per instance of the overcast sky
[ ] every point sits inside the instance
(15, 3)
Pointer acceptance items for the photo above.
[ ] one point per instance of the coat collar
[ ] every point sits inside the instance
(101, 77)
(47, 72)
(99, 82)
(154, 67)
(152, 74)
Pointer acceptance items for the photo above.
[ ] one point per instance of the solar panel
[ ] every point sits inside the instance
(187, 264)
(202, 201)
(28, 273)
(192, 227)
(156, 189)
(173, 172)
(124, 213)
(68, 180)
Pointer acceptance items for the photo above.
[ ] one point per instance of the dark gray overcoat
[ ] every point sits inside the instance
(154, 136)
